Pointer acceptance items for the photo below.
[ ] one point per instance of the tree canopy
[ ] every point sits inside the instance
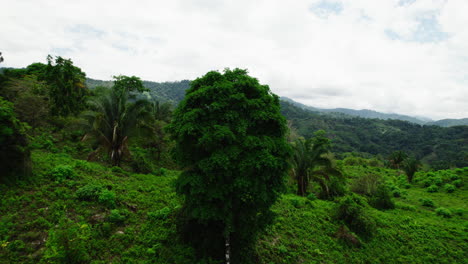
(67, 86)
(230, 140)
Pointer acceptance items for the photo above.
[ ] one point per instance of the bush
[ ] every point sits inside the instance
(449, 188)
(396, 192)
(117, 216)
(443, 212)
(432, 189)
(367, 184)
(141, 162)
(117, 169)
(68, 242)
(458, 183)
(437, 180)
(426, 182)
(62, 172)
(297, 201)
(458, 211)
(351, 210)
(382, 199)
(427, 202)
(107, 198)
(89, 192)
(160, 214)
(311, 197)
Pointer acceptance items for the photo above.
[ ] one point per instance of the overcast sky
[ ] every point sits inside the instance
(401, 56)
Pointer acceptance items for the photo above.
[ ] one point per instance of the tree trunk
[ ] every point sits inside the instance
(300, 185)
(228, 249)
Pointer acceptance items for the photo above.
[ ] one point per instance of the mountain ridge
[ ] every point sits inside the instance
(175, 92)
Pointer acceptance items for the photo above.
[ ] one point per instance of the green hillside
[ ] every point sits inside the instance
(73, 211)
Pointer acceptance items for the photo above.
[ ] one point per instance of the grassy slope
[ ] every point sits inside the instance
(34, 225)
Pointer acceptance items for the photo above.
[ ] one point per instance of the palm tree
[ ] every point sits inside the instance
(312, 160)
(397, 158)
(411, 166)
(160, 116)
(114, 119)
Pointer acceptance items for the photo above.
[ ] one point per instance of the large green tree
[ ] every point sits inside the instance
(67, 86)
(230, 142)
(15, 160)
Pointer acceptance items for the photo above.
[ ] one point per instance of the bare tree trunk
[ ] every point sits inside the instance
(228, 249)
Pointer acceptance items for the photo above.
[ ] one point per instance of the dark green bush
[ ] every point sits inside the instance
(141, 161)
(117, 216)
(89, 192)
(311, 197)
(449, 188)
(160, 214)
(382, 198)
(351, 210)
(458, 183)
(107, 198)
(396, 192)
(427, 202)
(432, 188)
(458, 211)
(68, 242)
(62, 172)
(444, 212)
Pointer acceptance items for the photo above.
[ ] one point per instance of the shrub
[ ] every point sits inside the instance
(89, 192)
(296, 201)
(62, 172)
(444, 212)
(437, 180)
(458, 183)
(117, 216)
(426, 182)
(107, 198)
(432, 188)
(449, 188)
(141, 162)
(347, 237)
(351, 210)
(396, 192)
(458, 211)
(367, 184)
(117, 169)
(382, 199)
(159, 214)
(427, 202)
(68, 242)
(311, 197)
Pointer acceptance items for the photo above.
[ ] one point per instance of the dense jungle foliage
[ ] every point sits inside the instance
(216, 170)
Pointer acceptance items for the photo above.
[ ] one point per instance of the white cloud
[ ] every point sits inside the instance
(408, 57)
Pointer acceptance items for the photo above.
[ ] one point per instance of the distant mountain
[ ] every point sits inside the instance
(365, 113)
(450, 122)
(442, 147)
(175, 92)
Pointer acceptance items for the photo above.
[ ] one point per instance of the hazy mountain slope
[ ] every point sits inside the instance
(450, 122)
(365, 113)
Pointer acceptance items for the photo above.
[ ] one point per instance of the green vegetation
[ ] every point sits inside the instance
(230, 137)
(90, 178)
